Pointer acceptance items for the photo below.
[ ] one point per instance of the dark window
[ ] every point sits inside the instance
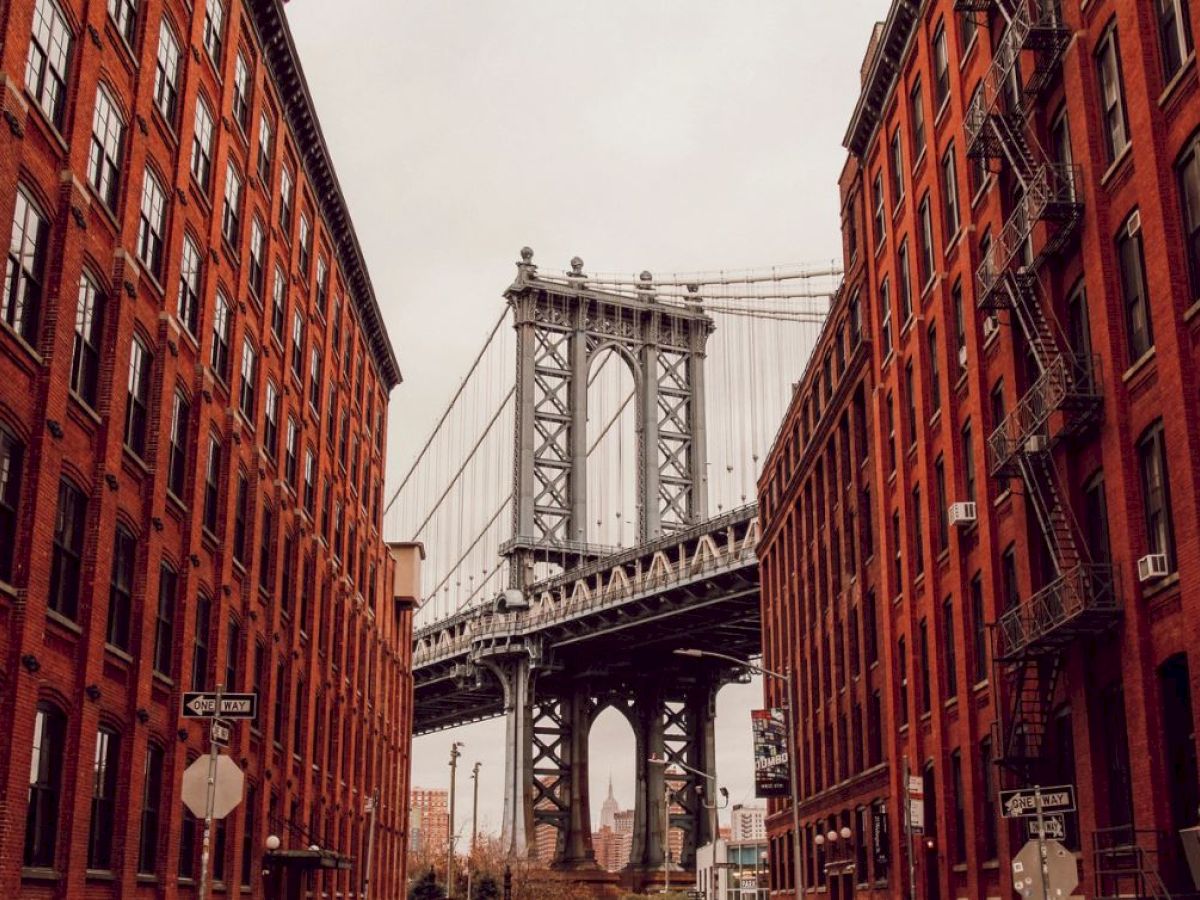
(898, 557)
(291, 451)
(12, 456)
(1139, 329)
(1115, 805)
(21, 304)
(164, 622)
(280, 693)
(918, 532)
(880, 217)
(950, 214)
(918, 121)
(298, 720)
(910, 389)
(104, 799)
(943, 509)
(177, 456)
(305, 241)
(926, 692)
(1008, 578)
(120, 591)
(248, 397)
(925, 270)
(978, 631)
(248, 834)
(266, 569)
(233, 650)
(89, 331)
(1112, 99)
(138, 397)
(870, 634)
(220, 347)
(202, 145)
(1179, 740)
(212, 484)
(151, 800)
(960, 836)
(941, 66)
(257, 272)
(271, 420)
(200, 643)
(885, 319)
(997, 398)
(1095, 523)
(45, 786)
(904, 277)
(949, 651)
(897, 169)
(988, 812)
(968, 454)
(278, 304)
(67, 559)
(902, 670)
(1156, 493)
(1189, 190)
(1174, 35)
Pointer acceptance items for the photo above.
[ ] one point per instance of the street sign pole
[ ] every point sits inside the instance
(213, 753)
(908, 835)
(1041, 839)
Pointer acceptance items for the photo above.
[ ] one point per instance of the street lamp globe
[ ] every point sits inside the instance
(832, 836)
(819, 840)
(845, 832)
(273, 842)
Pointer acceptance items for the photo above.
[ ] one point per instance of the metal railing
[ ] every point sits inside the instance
(1062, 609)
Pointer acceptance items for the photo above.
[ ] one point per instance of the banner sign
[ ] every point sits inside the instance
(770, 753)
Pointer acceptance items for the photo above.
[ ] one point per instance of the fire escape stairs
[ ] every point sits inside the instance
(1123, 866)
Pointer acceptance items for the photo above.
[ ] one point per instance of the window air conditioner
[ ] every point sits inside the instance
(1152, 566)
(962, 513)
(962, 356)
(991, 325)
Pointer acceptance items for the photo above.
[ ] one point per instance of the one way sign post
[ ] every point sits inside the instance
(1024, 801)
(203, 705)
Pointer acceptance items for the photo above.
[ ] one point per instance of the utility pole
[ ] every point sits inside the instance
(213, 753)
(455, 753)
(474, 826)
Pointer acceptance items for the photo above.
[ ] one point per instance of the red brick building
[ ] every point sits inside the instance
(194, 378)
(1021, 220)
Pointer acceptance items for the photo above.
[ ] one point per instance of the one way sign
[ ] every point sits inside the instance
(1024, 802)
(203, 705)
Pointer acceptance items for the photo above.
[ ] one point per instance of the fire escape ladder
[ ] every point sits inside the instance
(1124, 866)
(1055, 518)
(1031, 687)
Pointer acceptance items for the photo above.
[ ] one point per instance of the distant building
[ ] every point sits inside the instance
(732, 870)
(609, 810)
(612, 848)
(747, 823)
(429, 820)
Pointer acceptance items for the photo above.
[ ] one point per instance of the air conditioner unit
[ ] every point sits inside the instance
(1152, 566)
(1134, 223)
(963, 513)
(991, 325)
(1036, 443)
(962, 356)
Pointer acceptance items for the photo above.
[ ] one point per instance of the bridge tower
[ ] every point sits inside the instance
(562, 325)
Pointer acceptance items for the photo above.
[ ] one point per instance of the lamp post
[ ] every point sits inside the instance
(474, 824)
(786, 678)
(455, 753)
(711, 807)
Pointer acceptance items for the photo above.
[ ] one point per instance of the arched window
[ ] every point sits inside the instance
(104, 798)
(45, 786)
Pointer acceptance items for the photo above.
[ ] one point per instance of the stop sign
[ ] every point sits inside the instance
(230, 780)
(1061, 869)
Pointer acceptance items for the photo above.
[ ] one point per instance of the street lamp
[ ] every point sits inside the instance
(786, 678)
(714, 819)
(455, 753)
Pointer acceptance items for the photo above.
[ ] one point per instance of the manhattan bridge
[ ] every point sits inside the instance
(586, 500)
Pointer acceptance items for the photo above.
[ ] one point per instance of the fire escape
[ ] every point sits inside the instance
(1062, 402)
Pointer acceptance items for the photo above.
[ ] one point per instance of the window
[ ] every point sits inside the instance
(1156, 493)
(177, 453)
(21, 304)
(212, 482)
(897, 554)
(925, 270)
(902, 668)
(935, 370)
(305, 244)
(1174, 35)
(897, 169)
(164, 622)
(120, 590)
(220, 347)
(291, 460)
(49, 56)
(950, 214)
(166, 73)
(12, 454)
(904, 277)
(891, 423)
(941, 67)
(151, 799)
(885, 317)
(298, 720)
(241, 516)
(247, 398)
(978, 631)
(910, 389)
(233, 644)
(967, 30)
(200, 640)
(278, 303)
(310, 481)
(939, 475)
(322, 285)
(285, 201)
(231, 215)
(918, 121)
(214, 22)
(104, 799)
(926, 693)
(1008, 578)
(960, 835)
(241, 92)
(1139, 330)
(265, 137)
(1112, 99)
(1189, 189)
(248, 835)
(314, 382)
(280, 693)
(968, 457)
(949, 653)
(89, 329)
(138, 399)
(977, 171)
(124, 16)
(266, 571)
(202, 143)
(67, 558)
(880, 218)
(918, 533)
(257, 264)
(1095, 523)
(188, 306)
(45, 786)
(997, 403)
(298, 345)
(987, 761)
(152, 223)
(1178, 745)
(104, 151)
(271, 420)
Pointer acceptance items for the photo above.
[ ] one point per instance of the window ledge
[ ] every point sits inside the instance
(21, 342)
(1142, 363)
(1186, 68)
(37, 873)
(1111, 172)
(116, 651)
(100, 875)
(1161, 586)
(64, 622)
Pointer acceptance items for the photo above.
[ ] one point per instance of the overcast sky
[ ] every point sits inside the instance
(672, 135)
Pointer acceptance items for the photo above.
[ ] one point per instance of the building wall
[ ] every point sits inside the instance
(315, 634)
(1119, 719)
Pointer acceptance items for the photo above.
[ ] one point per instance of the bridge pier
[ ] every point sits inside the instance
(516, 678)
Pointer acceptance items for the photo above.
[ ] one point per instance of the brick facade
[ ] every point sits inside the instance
(271, 575)
(1010, 364)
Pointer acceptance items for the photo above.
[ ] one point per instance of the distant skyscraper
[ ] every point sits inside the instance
(747, 823)
(430, 820)
(609, 810)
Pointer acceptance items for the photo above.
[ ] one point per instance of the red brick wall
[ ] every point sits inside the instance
(1158, 618)
(43, 657)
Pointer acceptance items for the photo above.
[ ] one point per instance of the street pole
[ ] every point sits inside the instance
(667, 831)
(213, 754)
(1041, 839)
(908, 833)
(798, 873)
(454, 755)
(373, 805)
(474, 826)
